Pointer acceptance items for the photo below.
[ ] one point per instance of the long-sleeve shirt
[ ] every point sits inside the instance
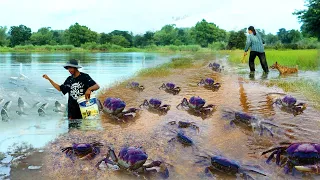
(255, 43)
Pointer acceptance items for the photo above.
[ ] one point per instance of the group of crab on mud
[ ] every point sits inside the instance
(301, 156)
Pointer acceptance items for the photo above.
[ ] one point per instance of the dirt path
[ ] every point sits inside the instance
(152, 132)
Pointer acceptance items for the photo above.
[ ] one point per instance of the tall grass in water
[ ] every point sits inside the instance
(166, 68)
(305, 59)
(310, 89)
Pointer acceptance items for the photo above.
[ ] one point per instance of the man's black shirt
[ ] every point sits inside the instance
(76, 87)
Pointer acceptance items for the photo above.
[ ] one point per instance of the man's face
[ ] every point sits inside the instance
(72, 70)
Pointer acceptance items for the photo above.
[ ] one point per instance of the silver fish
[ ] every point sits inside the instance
(41, 112)
(36, 104)
(57, 105)
(21, 104)
(27, 90)
(44, 106)
(7, 105)
(4, 115)
(20, 113)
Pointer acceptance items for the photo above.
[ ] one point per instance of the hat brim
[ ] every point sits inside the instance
(71, 65)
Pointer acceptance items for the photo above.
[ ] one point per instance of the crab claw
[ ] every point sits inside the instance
(315, 169)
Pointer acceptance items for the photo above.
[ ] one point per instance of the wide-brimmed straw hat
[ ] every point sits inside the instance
(72, 63)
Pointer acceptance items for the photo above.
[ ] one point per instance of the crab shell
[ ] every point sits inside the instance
(224, 164)
(170, 85)
(289, 101)
(155, 103)
(243, 116)
(134, 84)
(196, 102)
(132, 157)
(209, 81)
(215, 65)
(304, 150)
(114, 105)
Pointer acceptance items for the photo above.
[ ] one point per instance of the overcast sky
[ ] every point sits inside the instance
(139, 16)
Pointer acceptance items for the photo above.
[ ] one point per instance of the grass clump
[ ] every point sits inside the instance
(305, 59)
(310, 89)
(165, 69)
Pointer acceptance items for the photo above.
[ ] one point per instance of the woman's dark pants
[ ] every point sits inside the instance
(262, 58)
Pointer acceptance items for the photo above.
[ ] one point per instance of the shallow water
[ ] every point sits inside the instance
(104, 68)
(216, 136)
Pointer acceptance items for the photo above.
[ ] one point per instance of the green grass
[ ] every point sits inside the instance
(166, 68)
(310, 89)
(305, 59)
(94, 47)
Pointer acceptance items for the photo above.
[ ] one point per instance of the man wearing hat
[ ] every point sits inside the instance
(78, 84)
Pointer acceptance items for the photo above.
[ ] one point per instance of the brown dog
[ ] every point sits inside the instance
(283, 69)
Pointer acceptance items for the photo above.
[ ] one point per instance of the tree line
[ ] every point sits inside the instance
(204, 34)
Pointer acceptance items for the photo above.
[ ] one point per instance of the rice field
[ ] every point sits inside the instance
(305, 59)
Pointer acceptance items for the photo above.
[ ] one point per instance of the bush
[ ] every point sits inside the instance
(218, 46)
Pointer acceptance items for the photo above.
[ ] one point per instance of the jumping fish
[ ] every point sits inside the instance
(20, 113)
(41, 112)
(27, 90)
(42, 108)
(7, 105)
(21, 104)
(4, 115)
(36, 104)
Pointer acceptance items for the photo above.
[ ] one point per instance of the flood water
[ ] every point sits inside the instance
(151, 130)
(104, 68)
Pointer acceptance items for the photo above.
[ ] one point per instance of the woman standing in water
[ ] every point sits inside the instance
(255, 43)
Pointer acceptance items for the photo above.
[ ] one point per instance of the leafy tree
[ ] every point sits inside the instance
(42, 37)
(205, 33)
(120, 40)
(237, 40)
(105, 38)
(271, 39)
(149, 38)
(3, 36)
(138, 41)
(294, 36)
(287, 37)
(58, 37)
(166, 36)
(19, 35)
(310, 18)
(128, 36)
(77, 35)
(283, 35)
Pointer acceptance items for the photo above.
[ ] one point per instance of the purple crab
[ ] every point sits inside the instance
(216, 67)
(183, 124)
(85, 151)
(196, 105)
(208, 83)
(135, 85)
(115, 108)
(170, 88)
(296, 154)
(133, 159)
(182, 138)
(250, 121)
(228, 166)
(288, 104)
(155, 104)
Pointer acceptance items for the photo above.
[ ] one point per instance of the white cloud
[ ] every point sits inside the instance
(142, 15)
